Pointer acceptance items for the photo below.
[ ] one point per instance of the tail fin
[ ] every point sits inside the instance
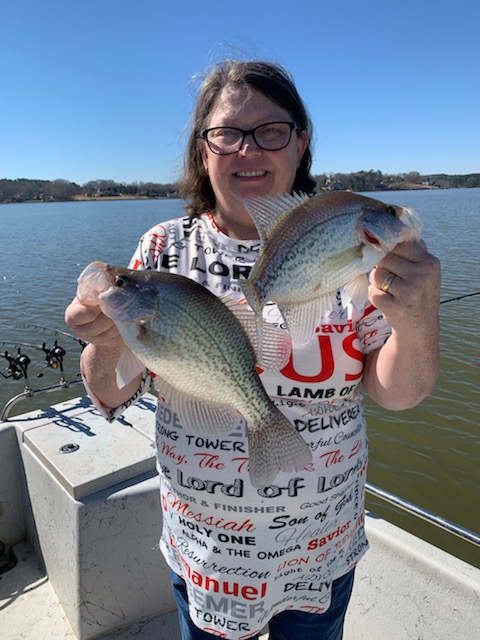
(275, 445)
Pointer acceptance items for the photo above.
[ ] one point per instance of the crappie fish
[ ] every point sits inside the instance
(200, 350)
(313, 246)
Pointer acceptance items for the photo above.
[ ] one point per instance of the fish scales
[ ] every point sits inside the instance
(312, 247)
(223, 363)
(287, 259)
(203, 357)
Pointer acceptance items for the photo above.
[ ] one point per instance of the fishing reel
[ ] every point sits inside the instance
(53, 357)
(17, 365)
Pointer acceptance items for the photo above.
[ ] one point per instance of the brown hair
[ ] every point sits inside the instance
(276, 84)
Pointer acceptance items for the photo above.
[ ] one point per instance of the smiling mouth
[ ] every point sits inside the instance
(250, 174)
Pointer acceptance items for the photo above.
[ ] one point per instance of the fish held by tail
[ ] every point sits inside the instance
(275, 445)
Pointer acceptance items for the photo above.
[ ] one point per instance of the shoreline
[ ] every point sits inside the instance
(85, 198)
(95, 198)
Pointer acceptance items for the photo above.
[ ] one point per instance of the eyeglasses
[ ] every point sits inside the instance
(270, 136)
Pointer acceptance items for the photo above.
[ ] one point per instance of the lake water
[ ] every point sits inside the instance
(428, 455)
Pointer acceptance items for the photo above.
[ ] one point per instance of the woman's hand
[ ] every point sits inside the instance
(89, 323)
(100, 357)
(405, 287)
(410, 302)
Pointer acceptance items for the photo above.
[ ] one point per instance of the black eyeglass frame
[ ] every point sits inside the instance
(245, 133)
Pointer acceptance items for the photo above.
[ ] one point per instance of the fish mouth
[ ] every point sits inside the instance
(119, 296)
(401, 224)
(382, 231)
(94, 280)
(371, 238)
(126, 299)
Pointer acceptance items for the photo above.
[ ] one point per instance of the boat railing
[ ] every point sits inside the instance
(424, 514)
(29, 393)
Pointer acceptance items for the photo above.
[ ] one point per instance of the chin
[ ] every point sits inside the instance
(257, 191)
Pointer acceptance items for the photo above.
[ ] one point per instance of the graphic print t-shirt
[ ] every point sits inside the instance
(249, 553)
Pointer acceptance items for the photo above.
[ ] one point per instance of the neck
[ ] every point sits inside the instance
(243, 229)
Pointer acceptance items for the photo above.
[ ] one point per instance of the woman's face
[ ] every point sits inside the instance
(251, 171)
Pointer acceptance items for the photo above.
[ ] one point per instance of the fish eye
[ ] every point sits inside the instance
(120, 281)
(391, 210)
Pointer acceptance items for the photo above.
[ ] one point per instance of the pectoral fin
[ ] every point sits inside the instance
(303, 318)
(128, 368)
(356, 292)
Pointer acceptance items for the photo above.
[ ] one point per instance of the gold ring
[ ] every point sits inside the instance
(389, 278)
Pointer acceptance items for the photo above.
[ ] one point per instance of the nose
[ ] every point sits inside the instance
(249, 145)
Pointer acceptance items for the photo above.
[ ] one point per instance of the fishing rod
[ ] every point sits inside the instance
(16, 345)
(57, 332)
(466, 295)
(18, 365)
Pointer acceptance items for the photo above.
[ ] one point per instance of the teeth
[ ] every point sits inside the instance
(250, 174)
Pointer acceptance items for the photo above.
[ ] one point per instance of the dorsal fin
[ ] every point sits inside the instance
(266, 211)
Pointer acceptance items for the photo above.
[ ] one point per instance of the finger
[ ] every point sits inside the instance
(418, 267)
(79, 314)
(385, 280)
(90, 324)
(404, 263)
(108, 336)
(98, 333)
(412, 251)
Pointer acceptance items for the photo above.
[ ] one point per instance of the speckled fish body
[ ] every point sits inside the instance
(199, 349)
(314, 246)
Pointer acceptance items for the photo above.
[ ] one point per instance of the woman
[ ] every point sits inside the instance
(285, 553)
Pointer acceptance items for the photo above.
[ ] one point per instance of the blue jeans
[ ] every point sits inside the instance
(288, 625)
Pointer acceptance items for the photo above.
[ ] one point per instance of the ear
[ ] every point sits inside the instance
(204, 155)
(302, 144)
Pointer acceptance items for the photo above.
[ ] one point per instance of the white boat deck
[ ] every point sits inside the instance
(405, 588)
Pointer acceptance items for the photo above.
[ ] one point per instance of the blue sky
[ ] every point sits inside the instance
(105, 88)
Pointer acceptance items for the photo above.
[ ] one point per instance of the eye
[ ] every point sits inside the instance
(223, 133)
(392, 211)
(120, 281)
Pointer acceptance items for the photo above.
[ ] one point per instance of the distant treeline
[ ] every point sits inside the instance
(378, 181)
(26, 190)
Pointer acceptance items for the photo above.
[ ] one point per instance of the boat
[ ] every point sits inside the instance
(80, 519)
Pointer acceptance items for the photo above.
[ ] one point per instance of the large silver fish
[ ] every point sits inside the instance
(201, 352)
(313, 246)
